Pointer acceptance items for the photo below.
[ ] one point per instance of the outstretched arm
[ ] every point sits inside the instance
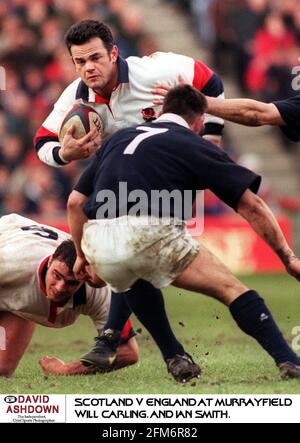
(76, 220)
(16, 335)
(162, 89)
(258, 214)
(127, 355)
(245, 111)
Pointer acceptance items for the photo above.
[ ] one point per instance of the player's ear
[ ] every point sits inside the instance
(50, 261)
(114, 54)
(198, 124)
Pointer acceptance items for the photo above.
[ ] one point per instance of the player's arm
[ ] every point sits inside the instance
(127, 354)
(258, 214)
(210, 84)
(76, 221)
(76, 216)
(237, 186)
(245, 111)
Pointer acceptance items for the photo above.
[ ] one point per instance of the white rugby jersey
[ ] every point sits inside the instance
(137, 77)
(25, 247)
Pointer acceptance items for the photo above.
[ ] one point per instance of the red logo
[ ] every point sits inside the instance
(148, 115)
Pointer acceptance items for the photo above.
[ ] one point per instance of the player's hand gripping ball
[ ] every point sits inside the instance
(84, 118)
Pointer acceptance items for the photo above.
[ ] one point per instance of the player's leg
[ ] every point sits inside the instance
(17, 335)
(148, 305)
(206, 274)
(127, 353)
(104, 352)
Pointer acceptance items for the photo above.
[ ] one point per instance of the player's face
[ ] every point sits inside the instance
(96, 66)
(60, 283)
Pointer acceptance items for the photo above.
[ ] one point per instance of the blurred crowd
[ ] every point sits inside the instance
(257, 40)
(37, 69)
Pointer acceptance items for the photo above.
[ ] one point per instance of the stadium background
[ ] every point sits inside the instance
(253, 44)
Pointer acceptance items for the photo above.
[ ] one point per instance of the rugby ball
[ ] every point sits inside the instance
(84, 118)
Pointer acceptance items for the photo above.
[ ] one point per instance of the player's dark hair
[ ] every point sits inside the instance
(186, 101)
(66, 253)
(85, 30)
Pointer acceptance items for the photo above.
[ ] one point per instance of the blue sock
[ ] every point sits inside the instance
(119, 312)
(255, 319)
(148, 305)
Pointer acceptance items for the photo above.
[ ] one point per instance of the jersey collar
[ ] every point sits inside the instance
(87, 94)
(42, 274)
(172, 118)
(123, 70)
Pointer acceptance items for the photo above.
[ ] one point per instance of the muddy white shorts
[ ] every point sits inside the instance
(126, 249)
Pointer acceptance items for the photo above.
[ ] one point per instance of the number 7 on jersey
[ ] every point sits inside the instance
(148, 132)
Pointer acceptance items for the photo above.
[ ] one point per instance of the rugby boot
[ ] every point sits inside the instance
(104, 353)
(289, 370)
(183, 368)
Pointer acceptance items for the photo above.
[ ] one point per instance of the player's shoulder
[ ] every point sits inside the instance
(17, 223)
(15, 220)
(12, 218)
(70, 93)
(160, 66)
(157, 58)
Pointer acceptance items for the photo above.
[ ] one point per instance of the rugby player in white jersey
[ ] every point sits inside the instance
(118, 89)
(39, 287)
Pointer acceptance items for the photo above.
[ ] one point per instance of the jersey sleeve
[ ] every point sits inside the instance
(210, 84)
(214, 88)
(213, 169)
(46, 140)
(290, 112)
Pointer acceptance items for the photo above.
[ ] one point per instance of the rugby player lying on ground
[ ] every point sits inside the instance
(39, 287)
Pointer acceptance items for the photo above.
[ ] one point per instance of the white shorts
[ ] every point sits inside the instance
(126, 249)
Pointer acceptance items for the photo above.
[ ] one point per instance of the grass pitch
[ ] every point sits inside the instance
(232, 363)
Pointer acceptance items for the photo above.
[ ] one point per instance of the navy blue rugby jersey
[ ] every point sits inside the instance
(290, 112)
(161, 156)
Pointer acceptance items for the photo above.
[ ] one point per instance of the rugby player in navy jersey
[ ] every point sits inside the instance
(167, 155)
(120, 90)
(283, 113)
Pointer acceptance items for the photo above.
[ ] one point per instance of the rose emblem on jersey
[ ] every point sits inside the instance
(148, 115)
